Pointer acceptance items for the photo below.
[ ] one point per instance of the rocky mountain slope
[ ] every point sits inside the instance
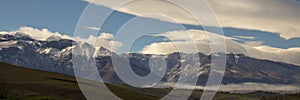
(55, 55)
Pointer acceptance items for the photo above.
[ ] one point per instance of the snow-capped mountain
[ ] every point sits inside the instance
(55, 54)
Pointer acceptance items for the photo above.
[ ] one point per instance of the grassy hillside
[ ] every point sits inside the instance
(22, 83)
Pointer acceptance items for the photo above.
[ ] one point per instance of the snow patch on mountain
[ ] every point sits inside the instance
(65, 52)
(237, 58)
(45, 51)
(7, 44)
(101, 52)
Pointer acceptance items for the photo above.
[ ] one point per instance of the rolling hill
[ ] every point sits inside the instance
(22, 83)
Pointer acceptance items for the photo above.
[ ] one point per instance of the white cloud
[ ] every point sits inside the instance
(245, 37)
(253, 43)
(93, 28)
(38, 34)
(104, 40)
(254, 49)
(106, 36)
(278, 16)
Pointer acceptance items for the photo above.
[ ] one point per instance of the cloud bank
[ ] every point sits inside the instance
(198, 39)
(103, 40)
(243, 87)
(277, 16)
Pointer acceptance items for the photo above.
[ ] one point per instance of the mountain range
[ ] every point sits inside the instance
(55, 55)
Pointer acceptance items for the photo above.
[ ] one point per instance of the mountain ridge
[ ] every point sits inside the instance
(56, 56)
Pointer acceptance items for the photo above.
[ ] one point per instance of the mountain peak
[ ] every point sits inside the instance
(53, 38)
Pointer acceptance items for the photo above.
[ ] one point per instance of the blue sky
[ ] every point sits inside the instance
(56, 15)
(62, 16)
